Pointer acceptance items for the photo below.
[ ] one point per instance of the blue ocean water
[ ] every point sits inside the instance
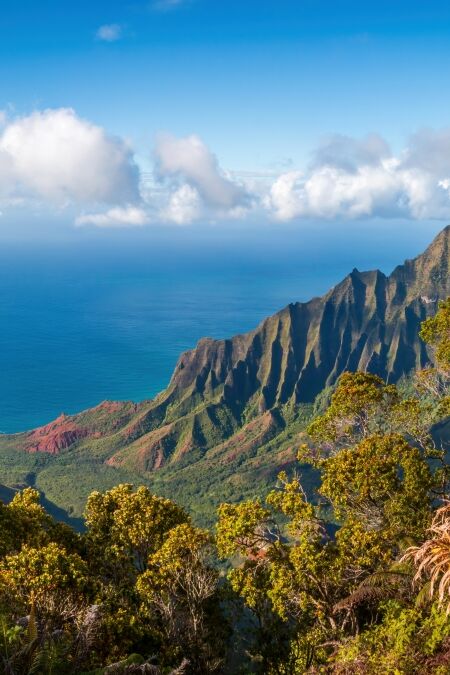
(106, 317)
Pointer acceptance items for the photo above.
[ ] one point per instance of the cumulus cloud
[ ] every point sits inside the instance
(430, 150)
(284, 196)
(362, 178)
(189, 161)
(109, 32)
(56, 156)
(329, 192)
(183, 207)
(118, 216)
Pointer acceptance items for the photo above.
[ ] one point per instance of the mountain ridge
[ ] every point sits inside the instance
(236, 407)
(362, 291)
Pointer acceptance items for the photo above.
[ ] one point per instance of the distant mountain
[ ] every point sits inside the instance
(234, 408)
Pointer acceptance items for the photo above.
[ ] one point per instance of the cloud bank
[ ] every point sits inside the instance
(56, 158)
(190, 161)
(353, 178)
(183, 207)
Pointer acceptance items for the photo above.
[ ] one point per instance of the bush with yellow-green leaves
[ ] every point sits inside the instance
(353, 579)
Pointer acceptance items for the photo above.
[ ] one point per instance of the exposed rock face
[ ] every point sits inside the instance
(151, 450)
(56, 436)
(67, 430)
(367, 322)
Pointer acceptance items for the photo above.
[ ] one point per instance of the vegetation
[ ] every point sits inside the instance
(355, 581)
(239, 468)
(236, 410)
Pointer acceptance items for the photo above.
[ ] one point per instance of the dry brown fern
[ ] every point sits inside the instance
(432, 558)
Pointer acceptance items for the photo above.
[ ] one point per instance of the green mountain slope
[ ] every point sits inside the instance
(234, 410)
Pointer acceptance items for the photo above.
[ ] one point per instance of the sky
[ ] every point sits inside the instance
(174, 113)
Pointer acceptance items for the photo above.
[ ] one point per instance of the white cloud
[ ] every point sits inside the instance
(56, 156)
(284, 198)
(429, 149)
(184, 206)
(188, 160)
(361, 178)
(329, 192)
(118, 216)
(109, 32)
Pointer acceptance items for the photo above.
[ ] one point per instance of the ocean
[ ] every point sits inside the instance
(106, 316)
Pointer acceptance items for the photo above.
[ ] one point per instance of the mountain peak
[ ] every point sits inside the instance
(366, 322)
(427, 274)
(439, 246)
(225, 401)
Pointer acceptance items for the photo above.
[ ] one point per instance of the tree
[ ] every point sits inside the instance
(43, 577)
(25, 521)
(358, 408)
(125, 527)
(379, 481)
(47, 591)
(181, 587)
(382, 487)
(130, 525)
(435, 331)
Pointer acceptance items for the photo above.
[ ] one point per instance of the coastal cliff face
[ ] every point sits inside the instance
(367, 322)
(235, 403)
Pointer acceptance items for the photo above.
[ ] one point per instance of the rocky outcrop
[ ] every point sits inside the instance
(56, 436)
(67, 430)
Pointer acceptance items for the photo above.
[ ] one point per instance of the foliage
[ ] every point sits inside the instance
(181, 588)
(436, 332)
(432, 557)
(72, 603)
(403, 641)
(353, 580)
(25, 521)
(342, 595)
(355, 411)
(130, 524)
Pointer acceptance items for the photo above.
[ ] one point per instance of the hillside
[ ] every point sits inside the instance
(234, 409)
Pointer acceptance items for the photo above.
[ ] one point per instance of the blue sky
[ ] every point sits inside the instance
(262, 103)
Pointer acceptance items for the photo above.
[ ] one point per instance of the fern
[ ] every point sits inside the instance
(432, 558)
(49, 659)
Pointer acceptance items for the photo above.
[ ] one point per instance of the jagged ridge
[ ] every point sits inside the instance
(225, 394)
(367, 322)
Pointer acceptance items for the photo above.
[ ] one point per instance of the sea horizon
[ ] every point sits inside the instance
(87, 321)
